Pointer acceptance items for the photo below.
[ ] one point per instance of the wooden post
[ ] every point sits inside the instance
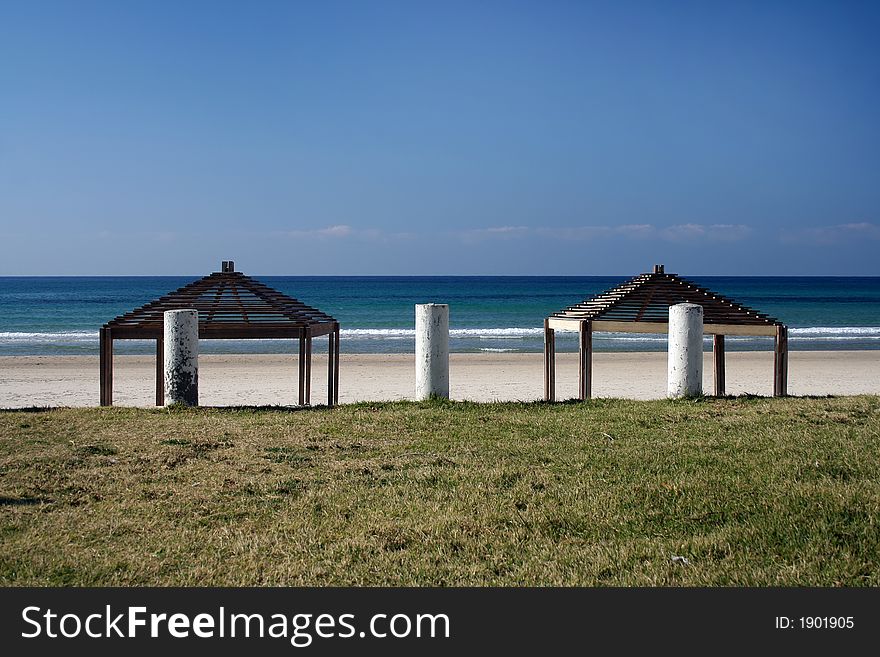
(160, 372)
(549, 362)
(331, 354)
(784, 385)
(336, 368)
(585, 359)
(106, 367)
(308, 370)
(302, 370)
(718, 351)
(780, 364)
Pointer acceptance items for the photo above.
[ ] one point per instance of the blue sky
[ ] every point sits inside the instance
(440, 138)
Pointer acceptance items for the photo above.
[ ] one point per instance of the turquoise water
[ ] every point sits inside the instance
(61, 315)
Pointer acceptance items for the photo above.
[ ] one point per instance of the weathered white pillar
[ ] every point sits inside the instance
(685, 360)
(182, 357)
(432, 350)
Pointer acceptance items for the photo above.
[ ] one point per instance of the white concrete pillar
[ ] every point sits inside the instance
(685, 359)
(182, 357)
(432, 350)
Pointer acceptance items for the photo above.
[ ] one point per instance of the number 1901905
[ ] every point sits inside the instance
(826, 622)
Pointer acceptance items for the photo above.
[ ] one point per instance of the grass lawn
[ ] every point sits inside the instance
(749, 491)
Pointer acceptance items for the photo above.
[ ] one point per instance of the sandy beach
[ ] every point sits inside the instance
(271, 379)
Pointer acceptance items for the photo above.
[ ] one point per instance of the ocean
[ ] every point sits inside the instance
(62, 315)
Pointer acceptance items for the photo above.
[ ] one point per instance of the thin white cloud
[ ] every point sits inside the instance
(703, 233)
(834, 234)
(338, 231)
(643, 231)
(493, 233)
(506, 230)
(676, 233)
(402, 236)
(690, 232)
(575, 233)
(345, 232)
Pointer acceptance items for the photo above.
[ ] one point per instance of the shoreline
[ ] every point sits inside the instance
(270, 379)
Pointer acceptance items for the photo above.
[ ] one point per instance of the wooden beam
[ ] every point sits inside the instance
(572, 324)
(776, 362)
(718, 351)
(331, 355)
(336, 369)
(784, 385)
(780, 363)
(549, 363)
(308, 375)
(237, 332)
(106, 367)
(302, 371)
(160, 371)
(102, 367)
(585, 360)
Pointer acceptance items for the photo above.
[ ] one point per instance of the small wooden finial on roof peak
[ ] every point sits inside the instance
(227, 266)
(658, 269)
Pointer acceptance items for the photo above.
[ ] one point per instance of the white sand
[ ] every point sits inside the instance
(271, 379)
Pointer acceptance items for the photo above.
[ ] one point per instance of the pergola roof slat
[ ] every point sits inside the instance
(226, 301)
(647, 297)
(641, 305)
(230, 306)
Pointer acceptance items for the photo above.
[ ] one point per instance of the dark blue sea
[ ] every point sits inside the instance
(61, 315)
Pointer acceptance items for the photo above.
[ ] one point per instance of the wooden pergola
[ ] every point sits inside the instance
(641, 305)
(231, 306)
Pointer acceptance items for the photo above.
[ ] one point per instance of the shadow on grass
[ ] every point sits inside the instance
(33, 409)
(266, 408)
(430, 403)
(22, 501)
(171, 409)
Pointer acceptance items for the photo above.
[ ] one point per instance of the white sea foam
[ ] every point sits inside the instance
(811, 333)
(378, 333)
(832, 338)
(480, 333)
(818, 331)
(60, 336)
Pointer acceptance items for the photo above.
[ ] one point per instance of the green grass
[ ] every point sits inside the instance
(749, 491)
